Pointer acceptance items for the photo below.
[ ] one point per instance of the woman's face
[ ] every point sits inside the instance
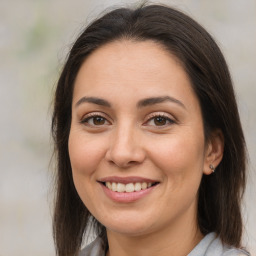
(136, 141)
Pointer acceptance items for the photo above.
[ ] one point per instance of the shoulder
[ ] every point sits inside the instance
(95, 248)
(211, 245)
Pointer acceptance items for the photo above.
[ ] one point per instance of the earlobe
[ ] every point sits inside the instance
(214, 152)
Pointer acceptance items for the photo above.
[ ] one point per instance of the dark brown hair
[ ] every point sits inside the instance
(219, 194)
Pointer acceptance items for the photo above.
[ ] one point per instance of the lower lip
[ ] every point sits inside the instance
(127, 197)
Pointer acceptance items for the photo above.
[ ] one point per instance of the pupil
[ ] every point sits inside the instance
(160, 120)
(98, 120)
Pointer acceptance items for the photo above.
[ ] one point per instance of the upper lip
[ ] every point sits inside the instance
(126, 180)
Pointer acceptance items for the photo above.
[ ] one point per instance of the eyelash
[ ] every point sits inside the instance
(92, 116)
(166, 118)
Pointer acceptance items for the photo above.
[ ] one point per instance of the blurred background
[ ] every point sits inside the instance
(35, 36)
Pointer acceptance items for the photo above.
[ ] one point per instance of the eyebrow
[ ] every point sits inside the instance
(142, 103)
(157, 100)
(94, 100)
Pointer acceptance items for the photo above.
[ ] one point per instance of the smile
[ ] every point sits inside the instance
(128, 188)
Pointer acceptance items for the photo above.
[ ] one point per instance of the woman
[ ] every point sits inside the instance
(150, 149)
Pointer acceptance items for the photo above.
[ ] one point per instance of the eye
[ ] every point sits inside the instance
(95, 120)
(159, 120)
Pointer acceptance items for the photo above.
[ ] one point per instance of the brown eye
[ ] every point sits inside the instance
(98, 120)
(95, 120)
(159, 121)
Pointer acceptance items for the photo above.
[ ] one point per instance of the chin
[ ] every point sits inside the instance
(128, 231)
(129, 225)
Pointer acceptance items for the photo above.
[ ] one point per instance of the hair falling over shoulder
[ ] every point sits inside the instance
(220, 194)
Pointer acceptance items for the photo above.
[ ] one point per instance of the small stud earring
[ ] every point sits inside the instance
(212, 167)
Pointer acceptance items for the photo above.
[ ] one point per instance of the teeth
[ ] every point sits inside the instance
(109, 185)
(144, 185)
(114, 186)
(120, 187)
(137, 186)
(130, 187)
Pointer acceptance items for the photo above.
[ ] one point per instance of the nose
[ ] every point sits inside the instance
(125, 149)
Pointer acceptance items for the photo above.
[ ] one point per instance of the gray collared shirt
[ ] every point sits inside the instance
(210, 245)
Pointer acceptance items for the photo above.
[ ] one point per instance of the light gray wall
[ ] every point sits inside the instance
(34, 38)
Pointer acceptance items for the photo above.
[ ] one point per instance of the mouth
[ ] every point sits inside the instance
(128, 188)
(127, 185)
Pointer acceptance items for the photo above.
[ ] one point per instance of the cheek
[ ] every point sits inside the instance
(179, 160)
(85, 153)
(85, 156)
(179, 155)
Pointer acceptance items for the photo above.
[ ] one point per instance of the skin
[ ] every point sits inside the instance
(128, 141)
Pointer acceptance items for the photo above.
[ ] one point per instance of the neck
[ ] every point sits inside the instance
(173, 240)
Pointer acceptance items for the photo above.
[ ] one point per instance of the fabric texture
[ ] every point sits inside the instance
(210, 245)
(95, 248)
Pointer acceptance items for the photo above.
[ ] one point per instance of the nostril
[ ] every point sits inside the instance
(123, 164)
(132, 162)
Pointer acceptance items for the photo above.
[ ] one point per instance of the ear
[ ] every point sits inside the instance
(213, 151)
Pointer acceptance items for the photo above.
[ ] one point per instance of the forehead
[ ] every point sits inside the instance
(125, 67)
(126, 55)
